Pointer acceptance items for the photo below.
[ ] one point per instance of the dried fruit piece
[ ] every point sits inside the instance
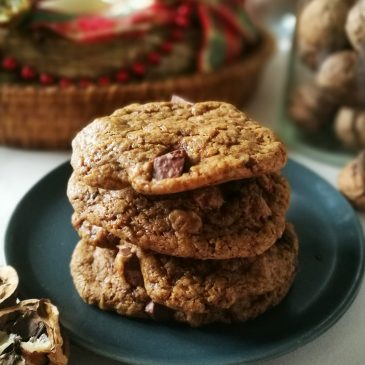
(351, 181)
(8, 286)
(30, 334)
(169, 165)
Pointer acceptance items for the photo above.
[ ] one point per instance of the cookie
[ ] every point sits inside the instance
(163, 148)
(235, 219)
(111, 280)
(204, 286)
(99, 283)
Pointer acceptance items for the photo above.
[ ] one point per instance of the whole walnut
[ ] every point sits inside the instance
(350, 127)
(321, 29)
(311, 108)
(355, 26)
(342, 75)
(351, 181)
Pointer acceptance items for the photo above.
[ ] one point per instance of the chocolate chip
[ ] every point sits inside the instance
(132, 271)
(169, 165)
(159, 312)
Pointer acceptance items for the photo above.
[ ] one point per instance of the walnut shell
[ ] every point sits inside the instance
(9, 282)
(321, 29)
(342, 76)
(355, 26)
(350, 127)
(30, 334)
(351, 181)
(311, 108)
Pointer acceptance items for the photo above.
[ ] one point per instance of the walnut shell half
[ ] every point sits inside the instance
(30, 334)
(9, 282)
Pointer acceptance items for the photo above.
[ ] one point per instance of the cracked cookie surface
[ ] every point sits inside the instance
(216, 141)
(237, 219)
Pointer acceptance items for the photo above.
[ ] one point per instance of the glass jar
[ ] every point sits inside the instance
(323, 113)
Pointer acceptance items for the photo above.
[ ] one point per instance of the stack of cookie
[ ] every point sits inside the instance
(181, 212)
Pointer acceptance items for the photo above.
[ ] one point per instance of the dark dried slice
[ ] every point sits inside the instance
(30, 334)
(169, 165)
(9, 282)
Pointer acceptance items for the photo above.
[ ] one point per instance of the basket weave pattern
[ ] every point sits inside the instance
(49, 117)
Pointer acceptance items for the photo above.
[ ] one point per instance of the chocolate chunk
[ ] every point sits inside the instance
(159, 312)
(169, 165)
(132, 271)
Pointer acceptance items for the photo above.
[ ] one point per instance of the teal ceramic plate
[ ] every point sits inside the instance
(40, 239)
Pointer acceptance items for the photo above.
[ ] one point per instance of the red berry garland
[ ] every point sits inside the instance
(137, 70)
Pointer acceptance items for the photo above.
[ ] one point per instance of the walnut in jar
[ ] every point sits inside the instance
(321, 29)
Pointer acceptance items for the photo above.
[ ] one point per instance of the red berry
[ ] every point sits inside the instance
(166, 47)
(65, 82)
(182, 21)
(177, 35)
(46, 79)
(9, 63)
(84, 83)
(154, 58)
(122, 76)
(138, 69)
(28, 73)
(184, 10)
(104, 81)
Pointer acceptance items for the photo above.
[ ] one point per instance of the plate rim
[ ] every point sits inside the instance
(288, 346)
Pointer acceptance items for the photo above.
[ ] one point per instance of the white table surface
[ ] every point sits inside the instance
(342, 344)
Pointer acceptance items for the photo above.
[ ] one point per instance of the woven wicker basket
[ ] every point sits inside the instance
(49, 117)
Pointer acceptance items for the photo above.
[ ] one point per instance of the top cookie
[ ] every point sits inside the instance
(162, 148)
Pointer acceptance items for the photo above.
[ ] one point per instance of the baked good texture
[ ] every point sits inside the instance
(121, 280)
(235, 219)
(203, 286)
(165, 147)
(99, 283)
